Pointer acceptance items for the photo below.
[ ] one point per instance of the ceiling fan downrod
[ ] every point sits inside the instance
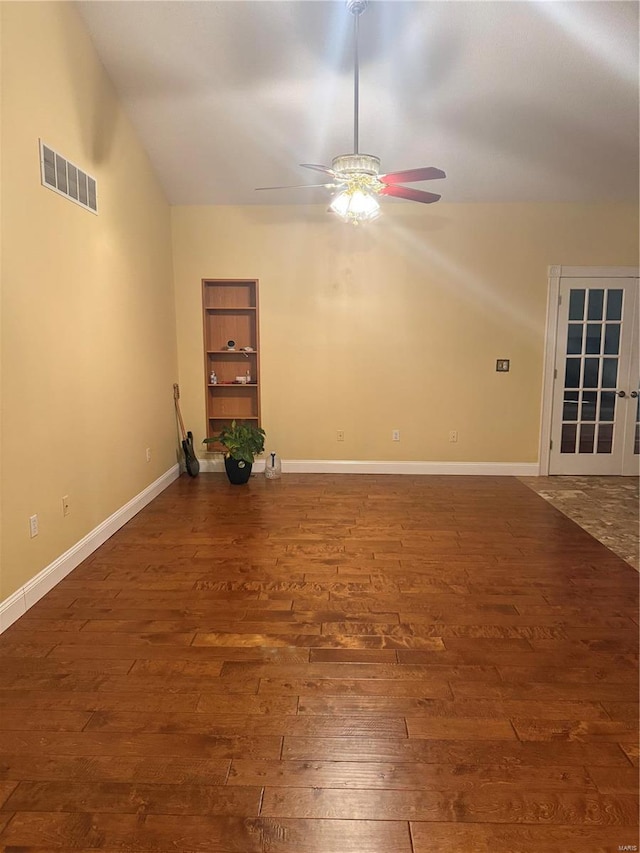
(356, 7)
(356, 164)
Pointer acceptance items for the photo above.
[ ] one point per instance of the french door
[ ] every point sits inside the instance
(595, 407)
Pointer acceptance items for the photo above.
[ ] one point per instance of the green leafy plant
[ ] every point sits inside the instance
(240, 441)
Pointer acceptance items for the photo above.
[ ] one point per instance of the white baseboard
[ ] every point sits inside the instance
(353, 466)
(215, 465)
(345, 466)
(22, 599)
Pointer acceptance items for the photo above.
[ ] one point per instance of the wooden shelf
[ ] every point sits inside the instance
(222, 308)
(230, 312)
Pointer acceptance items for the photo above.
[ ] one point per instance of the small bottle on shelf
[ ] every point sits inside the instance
(213, 379)
(248, 377)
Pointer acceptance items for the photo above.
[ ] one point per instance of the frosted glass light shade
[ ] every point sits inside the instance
(355, 206)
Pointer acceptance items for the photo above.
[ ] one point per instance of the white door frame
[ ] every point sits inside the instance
(555, 274)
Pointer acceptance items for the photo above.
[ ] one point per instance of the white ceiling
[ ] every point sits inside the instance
(516, 101)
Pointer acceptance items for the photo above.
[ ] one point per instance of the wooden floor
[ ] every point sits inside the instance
(328, 664)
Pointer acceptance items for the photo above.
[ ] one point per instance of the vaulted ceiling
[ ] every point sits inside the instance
(516, 101)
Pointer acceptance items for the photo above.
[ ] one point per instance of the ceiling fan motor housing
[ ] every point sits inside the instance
(362, 164)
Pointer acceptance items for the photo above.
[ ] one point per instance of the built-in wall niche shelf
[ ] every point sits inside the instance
(231, 323)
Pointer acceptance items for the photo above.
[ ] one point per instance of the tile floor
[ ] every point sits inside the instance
(606, 507)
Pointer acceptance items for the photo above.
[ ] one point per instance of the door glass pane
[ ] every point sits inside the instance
(596, 358)
(568, 439)
(572, 373)
(594, 332)
(589, 405)
(570, 406)
(574, 338)
(605, 438)
(587, 435)
(596, 302)
(576, 305)
(612, 339)
(591, 366)
(607, 405)
(609, 372)
(614, 305)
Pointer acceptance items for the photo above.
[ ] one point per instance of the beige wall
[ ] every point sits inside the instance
(88, 325)
(396, 325)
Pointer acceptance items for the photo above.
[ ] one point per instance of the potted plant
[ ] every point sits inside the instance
(241, 442)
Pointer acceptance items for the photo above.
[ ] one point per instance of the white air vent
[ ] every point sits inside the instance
(68, 180)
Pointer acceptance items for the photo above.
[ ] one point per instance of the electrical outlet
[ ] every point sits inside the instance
(340, 435)
(395, 435)
(453, 435)
(33, 525)
(148, 454)
(66, 509)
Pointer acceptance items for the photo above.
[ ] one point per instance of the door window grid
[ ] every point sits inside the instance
(591, 368)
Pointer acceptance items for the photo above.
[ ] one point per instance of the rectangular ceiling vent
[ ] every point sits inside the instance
(67, 179)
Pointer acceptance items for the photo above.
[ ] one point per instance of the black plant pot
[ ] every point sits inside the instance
(238, 471)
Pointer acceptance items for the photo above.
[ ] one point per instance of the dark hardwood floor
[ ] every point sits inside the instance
(328, 664)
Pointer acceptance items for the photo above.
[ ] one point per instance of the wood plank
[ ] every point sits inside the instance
(473, 752)
(259, 725)
(134, 798)
(427, 708)
(460, 728)
(622, 780)
(452, 837)
(353, 656)
(538, 692)
(13, 719)
(114, 768)
(536, 807)
(435, 688)
(355, 671)
(619, 675)
(116, 743)
(627, 711)
(202, 834)
(77, 700)
(180, 653)
(49, 831)
(234, 703)
(367, 775)
(582, 730)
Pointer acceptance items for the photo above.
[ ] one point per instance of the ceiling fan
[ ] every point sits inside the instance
(356, 177)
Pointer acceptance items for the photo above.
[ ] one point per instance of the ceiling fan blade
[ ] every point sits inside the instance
(297, 187)
(426, 173)
(325, 169)
(410, 194)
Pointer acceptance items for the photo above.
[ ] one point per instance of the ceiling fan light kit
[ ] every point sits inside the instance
(356, 176)
(355, 205)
